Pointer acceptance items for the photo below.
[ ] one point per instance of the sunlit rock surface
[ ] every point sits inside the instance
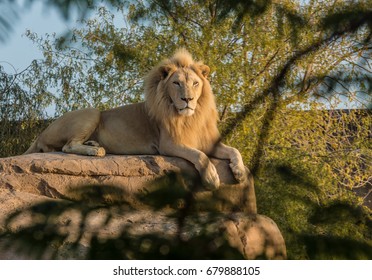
(80, 206)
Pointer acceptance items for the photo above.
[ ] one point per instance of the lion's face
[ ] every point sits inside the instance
(184, 88)
(179, 86)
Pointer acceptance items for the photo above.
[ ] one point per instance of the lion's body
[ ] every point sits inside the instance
(178, 118)
(137, 133)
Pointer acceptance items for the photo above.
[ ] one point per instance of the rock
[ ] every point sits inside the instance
(58, 175)
(85, 205)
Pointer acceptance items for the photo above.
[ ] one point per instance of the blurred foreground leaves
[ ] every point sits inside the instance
(103, 222)
(292, 80)
(94, 222)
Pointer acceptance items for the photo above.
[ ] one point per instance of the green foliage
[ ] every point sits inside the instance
(280, 73)
(21, 114)
(312, 161)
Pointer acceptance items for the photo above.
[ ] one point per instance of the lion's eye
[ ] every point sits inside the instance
(177, 84)
(195, 84)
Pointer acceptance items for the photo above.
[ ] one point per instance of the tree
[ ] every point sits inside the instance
(279, 71)
(21, 113)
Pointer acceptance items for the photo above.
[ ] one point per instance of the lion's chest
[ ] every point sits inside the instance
(202, 139)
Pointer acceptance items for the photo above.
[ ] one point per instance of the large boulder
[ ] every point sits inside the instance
(77, 207)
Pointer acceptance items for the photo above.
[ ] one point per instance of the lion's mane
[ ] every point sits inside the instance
(200, 129)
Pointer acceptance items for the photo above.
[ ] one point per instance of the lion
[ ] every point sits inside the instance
(178, 118)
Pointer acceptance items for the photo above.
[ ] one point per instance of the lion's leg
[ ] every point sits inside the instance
(205, 167)
(81, 149)
(223, 151)
(69, 133)
(92, 143)
(79, 142)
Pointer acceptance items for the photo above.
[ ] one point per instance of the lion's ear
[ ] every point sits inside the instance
(204, 69)
(166, 70)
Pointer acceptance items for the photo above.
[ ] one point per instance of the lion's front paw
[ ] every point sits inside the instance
(210, 177)
(238, 169)
(101, 152)
(96, 151)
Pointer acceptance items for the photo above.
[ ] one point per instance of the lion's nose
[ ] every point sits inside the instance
(187, 99)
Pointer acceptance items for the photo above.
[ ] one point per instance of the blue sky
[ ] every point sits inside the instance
(18, 50)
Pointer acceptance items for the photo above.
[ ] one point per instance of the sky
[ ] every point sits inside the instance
(18, 51)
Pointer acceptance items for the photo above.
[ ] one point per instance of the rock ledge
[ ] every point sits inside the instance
(127, 187)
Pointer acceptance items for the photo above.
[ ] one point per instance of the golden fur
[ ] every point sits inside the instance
(178, 118)
(200, 129)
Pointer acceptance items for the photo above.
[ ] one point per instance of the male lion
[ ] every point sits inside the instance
(178, 118)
